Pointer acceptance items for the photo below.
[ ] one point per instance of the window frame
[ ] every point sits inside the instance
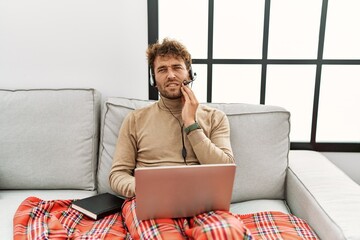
(153, 34)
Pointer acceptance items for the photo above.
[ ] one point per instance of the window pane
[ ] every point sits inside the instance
(186, 21)
(342, 35)
(199, 86)
(339, 111)
(294, 29)
(236, 83)
(238, 28)
(292, 87)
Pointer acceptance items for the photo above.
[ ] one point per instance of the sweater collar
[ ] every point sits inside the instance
(175, 105)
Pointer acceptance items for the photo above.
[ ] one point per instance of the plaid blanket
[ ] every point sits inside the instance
(55, 219)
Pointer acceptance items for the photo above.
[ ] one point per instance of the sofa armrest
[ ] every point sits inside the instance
(320, 193)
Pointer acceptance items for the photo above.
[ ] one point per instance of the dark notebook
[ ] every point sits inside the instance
(99, 206)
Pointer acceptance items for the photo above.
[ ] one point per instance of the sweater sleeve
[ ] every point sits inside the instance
(121, 176)
(213, 147)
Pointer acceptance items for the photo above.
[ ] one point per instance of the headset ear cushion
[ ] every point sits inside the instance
(192, 74)
(152, 78)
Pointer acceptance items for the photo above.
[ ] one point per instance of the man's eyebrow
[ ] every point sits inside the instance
(173, 65)
(162, 66)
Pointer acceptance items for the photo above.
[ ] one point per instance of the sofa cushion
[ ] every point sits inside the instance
(113, 113)
(49, 138)
(259, 138)
(260, 142)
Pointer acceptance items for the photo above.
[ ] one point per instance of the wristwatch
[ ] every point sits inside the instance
(192, 127)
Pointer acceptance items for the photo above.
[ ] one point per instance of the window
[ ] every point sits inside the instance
(296, 54)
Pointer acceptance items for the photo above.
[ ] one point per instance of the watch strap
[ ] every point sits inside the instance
(192, 127)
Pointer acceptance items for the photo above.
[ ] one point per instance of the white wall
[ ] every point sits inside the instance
(74, 43)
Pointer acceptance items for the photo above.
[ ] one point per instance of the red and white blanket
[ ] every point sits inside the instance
(55, 219)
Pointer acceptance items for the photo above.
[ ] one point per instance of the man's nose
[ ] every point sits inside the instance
(171, 74)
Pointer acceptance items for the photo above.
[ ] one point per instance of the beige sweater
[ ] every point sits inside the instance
(151, 136)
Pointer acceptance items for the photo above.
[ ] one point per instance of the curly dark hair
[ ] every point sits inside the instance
(168, 47)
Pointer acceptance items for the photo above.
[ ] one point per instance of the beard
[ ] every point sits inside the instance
(170, 94)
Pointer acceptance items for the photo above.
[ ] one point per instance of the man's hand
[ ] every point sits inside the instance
(190, 105)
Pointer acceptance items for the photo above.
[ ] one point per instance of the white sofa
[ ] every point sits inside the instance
(58, 144)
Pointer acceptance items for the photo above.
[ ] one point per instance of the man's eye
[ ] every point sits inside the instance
(161, 70)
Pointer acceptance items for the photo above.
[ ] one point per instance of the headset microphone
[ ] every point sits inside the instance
(188, 82)
(192, 78)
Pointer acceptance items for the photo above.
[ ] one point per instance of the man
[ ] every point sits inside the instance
(175, 130)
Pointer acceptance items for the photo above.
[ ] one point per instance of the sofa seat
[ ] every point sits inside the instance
(11, 199)
(260, 205)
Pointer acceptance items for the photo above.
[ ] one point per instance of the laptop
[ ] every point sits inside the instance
(183, 191)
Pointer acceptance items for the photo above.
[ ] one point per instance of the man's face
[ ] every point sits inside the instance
(170, 72)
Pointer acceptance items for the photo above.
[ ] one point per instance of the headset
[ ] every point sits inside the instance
(153, 82)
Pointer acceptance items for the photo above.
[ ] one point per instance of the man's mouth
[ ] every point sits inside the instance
(172, 85)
